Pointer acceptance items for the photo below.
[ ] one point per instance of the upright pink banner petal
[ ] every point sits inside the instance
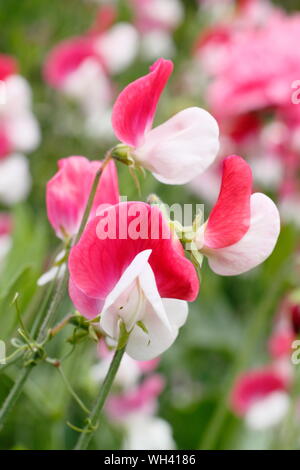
(69, 189)
(230, 217)
(134, 110)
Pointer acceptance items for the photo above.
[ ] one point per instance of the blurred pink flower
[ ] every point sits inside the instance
(140, 399)
(69, 189)
(157, 14)
(8, 66)
(261, 397)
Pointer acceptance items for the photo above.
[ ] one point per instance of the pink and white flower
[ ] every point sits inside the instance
(261, 397)
(242, 229)
(178, 149)
(128, 268)
(69, 189)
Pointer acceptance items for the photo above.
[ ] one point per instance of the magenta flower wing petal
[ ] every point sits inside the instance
(89, 307)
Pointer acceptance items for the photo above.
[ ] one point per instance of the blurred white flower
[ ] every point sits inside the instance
(144, 432)
(15, 179)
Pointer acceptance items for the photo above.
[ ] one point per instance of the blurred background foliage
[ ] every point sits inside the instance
(227, 326)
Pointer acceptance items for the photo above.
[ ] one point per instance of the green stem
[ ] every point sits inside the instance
(14, 394)
(91, 425)
(91, 198)
(72, 392)
(59, 293)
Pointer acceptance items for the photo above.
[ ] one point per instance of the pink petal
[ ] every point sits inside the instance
(89, 307)
(253, 386)
(255, 246)
(280, 343)
(148, 366)
(68, 192)
(8, 66)
(134, 110)
(97, 264)
(5, 143)
(141, 399)
(230, 217)
(6, 223)
(66, 57)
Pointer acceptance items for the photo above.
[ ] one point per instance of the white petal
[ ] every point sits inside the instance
(136, 298)
(18, 95)
(268, 411)
(177, 312)
(148, 433)
(255, 246)
(118, 47)
(156, 44)
(181, 148)
(89, 76)
(167, 14)
(109, 315)
(15, 180)
(24, 132)
(162, 322)
(48, 276)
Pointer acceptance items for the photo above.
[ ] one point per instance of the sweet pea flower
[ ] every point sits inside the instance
(242, 229)
(68, 192)
(128, 268)
(177, 150)
(261, 397)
